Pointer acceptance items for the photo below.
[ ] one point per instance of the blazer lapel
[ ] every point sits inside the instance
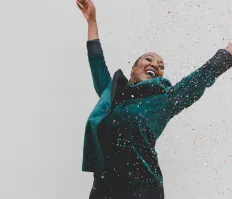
(119, 81)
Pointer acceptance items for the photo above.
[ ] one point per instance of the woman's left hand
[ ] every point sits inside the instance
(229, 48)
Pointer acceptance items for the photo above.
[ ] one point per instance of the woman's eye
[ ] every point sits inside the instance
(148, 59)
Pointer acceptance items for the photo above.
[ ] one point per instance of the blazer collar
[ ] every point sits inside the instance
(121, 90)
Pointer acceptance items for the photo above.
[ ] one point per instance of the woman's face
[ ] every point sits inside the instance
(150, 65)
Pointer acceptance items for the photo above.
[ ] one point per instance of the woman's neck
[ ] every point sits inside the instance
(130, 82)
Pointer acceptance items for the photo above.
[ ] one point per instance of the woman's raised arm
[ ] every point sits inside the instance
(191, 88)
(100, 73)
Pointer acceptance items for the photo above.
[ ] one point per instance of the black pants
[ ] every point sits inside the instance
(103, 190)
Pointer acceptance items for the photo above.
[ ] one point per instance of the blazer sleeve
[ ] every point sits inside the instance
(100, 73)
(191, 88)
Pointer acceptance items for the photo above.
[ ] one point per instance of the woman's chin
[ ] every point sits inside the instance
(147, 77)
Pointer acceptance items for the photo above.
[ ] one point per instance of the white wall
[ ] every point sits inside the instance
(47, 93)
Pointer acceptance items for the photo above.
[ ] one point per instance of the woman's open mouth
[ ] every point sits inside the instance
(150, 73)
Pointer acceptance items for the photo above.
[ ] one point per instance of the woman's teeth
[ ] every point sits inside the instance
(150, 73)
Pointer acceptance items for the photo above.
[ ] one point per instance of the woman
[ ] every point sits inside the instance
(121, 131)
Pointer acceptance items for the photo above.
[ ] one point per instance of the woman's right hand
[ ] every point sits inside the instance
(88, 9)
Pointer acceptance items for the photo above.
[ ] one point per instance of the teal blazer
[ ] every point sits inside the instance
(160, 99)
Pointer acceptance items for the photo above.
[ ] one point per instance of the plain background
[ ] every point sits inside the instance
(47, 92)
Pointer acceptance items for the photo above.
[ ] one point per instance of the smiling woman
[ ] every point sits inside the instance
(122, 130)
(149, 65)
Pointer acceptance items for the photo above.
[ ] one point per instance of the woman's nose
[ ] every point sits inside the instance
(155, 65)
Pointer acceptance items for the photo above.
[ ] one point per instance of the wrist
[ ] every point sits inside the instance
(92, 29)
(91, 21)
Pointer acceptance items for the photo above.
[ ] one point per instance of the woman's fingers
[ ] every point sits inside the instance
(81, 4)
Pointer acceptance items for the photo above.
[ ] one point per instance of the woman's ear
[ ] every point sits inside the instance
(132, 71)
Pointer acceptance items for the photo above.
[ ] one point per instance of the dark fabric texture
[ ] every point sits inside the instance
(104, 190)
(94, 47)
